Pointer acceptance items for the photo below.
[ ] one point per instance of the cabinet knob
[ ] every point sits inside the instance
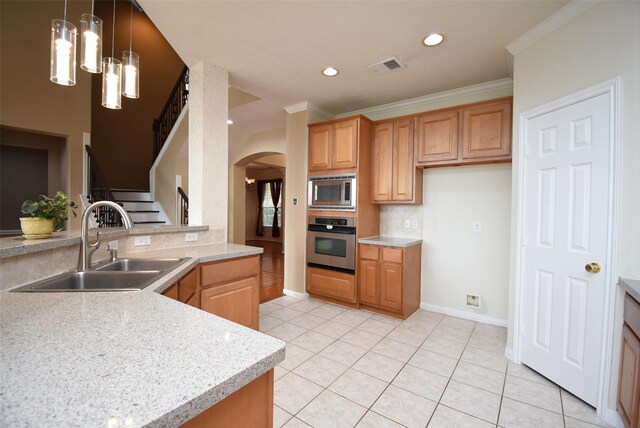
(592, 267)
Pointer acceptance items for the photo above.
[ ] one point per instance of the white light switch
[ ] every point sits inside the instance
(191, 237)
(407, 224)
(476, 226)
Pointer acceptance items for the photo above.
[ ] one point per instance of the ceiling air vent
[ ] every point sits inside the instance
(387, 65)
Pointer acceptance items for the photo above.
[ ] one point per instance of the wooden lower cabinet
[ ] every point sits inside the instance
(331, 284)
(236, 301)
(629, 380)
(228, 288)
(389, 279)
(249, 407)
(231, 290)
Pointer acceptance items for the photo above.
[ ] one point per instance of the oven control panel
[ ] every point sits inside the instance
(333, 221)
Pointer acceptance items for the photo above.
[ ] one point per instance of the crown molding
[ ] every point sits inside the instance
(550, 24)
(296, 108)
(496, 88)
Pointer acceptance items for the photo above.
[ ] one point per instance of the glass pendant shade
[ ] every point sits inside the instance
(91, 45)
(131, 76)
(111, 78)
(63, 53)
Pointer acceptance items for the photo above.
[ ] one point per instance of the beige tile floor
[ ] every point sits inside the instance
(349, 368)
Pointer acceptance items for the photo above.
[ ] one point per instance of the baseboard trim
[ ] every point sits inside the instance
(613, 417)
(464, 314)
(296, 294)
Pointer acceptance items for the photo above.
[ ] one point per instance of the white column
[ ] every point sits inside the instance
(208, 146)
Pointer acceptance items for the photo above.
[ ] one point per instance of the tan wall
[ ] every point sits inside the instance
(296, 180)
(251, 205)
(568, 60)
(123, 139)
(171, 163)
(29, 101)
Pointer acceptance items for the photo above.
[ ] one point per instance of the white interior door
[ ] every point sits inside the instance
(566, 200)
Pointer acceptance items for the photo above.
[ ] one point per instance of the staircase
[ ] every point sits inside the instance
(139, 206)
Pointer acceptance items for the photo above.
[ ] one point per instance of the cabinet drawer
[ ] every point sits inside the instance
(221, 272)
(393, 255)
(632, 314)
(369, 252)
(331, 284)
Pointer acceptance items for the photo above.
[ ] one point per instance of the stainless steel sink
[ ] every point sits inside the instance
(129, 265)
(94, 281)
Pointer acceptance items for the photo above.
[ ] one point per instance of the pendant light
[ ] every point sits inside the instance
(62, 69)
(91, 42)
(131, 62)
(112, 74)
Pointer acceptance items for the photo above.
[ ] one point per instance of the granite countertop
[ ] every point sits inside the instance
(389, 241)
(632, 286)
(135, 358)
(17, 245)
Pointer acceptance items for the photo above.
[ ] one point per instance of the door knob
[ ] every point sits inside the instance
(592, 267)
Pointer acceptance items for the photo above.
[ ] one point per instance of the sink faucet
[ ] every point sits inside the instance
(87, 248)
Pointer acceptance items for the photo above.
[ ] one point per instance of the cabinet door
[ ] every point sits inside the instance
(236, 301)
(188, 286)
(171, 292)
(319, 147)
(403, 165)
(381, 160)
(391, 286)
(629, 378)
(369, 281)
(486, 131)
(437, 135)
(344, 145)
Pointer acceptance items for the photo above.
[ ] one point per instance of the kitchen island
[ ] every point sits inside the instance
(124, 358)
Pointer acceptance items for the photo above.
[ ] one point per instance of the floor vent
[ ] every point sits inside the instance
(387, 65)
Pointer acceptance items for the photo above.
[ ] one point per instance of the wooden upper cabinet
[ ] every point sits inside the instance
(334, 145)
(320, 148)
(403, 164)
(437, 135)
(344, 145)
(486, 131)
(393, 173)
(382, 162)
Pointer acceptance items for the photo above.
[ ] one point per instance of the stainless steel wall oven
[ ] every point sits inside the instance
(331, 243)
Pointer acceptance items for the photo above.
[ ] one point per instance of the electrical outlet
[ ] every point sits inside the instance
(295, 201)
(112, 245)
(414, 224)
(473, 301)
(476, 226)
(140, 241)
(191, 237)
(407, 224)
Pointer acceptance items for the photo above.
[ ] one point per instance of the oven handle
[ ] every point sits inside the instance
(335, 229)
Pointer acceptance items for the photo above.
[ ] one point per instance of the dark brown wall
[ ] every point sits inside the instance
(123, 139)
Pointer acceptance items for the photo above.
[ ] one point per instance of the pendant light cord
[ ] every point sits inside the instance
(131, 28)
(65, 10)
(92, 7)
(113, 32)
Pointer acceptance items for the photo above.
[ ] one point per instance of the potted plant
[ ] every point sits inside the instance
(47, 215)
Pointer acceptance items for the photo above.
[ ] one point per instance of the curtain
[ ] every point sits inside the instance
(259, 225)
(276, 187)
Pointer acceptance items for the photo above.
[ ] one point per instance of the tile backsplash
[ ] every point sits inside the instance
(393, 219)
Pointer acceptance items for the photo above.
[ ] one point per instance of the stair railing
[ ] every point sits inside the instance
(98, 190)
(183, 206)
(173, 107)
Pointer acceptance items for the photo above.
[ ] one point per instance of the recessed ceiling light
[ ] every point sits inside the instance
(433, 39)
(330, 71)
(229, 122)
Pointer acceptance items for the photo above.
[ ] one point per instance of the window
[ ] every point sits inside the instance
(268, 208)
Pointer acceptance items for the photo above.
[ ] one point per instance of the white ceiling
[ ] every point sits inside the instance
(275, 50)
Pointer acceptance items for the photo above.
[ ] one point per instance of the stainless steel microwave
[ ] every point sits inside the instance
(332, 192)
